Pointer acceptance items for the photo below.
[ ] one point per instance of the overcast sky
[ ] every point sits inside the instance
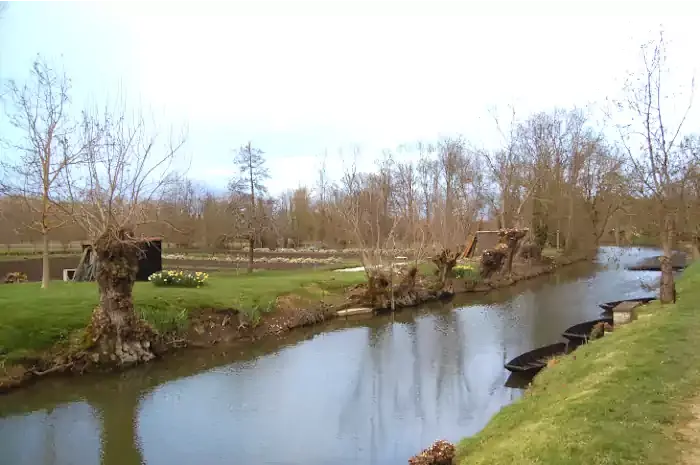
(301, 78)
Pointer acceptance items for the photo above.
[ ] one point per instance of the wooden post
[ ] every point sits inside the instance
(558, 239)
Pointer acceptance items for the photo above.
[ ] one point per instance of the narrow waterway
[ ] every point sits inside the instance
(367, 391)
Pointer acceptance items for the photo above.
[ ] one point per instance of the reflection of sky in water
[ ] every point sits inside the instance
(370, 395)
(69, 435)
(359, 396)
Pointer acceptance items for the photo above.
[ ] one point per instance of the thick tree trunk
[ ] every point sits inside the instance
(667, 290)
(45, 266)
(444, 262)
(120, 337)
(511, 238)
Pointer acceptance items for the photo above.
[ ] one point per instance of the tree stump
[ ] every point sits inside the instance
(511, 238)
(491, 262)
(445, 261)
(440, 453)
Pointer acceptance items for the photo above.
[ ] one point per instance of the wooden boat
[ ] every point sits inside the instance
(518, 380)
(582, 331)
(608, 306)
(533, 361)
(678, 263)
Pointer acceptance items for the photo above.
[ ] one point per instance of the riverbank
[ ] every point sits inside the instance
(626, 398)
(40, 330)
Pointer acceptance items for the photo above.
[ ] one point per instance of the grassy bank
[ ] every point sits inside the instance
(619, 400)
(32, 320)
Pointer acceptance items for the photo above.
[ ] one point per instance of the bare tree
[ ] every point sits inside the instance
(653, 147)
(251, 184)
(43, 151)
(603, 185)
(109, 194)
(510, 170)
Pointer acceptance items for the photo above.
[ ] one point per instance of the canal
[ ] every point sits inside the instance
(363, 391)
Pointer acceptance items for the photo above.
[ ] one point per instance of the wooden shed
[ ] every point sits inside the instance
(150, 260)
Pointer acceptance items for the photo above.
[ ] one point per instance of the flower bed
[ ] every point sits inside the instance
(179, 278)
(465, 271)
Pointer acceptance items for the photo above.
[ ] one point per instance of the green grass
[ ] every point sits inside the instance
(32, 320)
(618, 400)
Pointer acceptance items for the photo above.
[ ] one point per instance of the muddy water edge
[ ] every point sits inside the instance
(358, 391)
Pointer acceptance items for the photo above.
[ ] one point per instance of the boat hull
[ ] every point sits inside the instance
(533, 361)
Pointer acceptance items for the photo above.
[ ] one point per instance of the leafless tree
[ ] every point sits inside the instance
(124, 166)
(509, 171)
(42, 150)
(652, 143)
(251, 184)
(603, 185)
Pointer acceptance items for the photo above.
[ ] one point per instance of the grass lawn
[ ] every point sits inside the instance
(32, 319)
(619, 400)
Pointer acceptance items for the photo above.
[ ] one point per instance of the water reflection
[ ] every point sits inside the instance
(65, 435)
(370, 391)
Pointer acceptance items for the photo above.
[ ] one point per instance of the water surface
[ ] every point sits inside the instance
(367, 391)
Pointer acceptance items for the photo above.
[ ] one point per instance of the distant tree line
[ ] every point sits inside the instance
(556, 173)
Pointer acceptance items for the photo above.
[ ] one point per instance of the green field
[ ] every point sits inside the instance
(620, 400)
(32, 320)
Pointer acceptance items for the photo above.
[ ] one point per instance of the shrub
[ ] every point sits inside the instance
(179, 278)
(15, 277)
(440, 453)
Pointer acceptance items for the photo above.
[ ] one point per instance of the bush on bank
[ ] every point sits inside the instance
(617, 400)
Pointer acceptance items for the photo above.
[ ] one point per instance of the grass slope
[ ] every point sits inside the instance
(32, 319)
(618, 400)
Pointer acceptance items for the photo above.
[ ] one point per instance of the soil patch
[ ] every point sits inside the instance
(32, 266)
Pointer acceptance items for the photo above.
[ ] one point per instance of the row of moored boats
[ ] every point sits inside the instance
(533, 361)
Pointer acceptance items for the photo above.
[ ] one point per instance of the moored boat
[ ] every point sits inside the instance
(608, 306)
(533, 361)
(582, 331)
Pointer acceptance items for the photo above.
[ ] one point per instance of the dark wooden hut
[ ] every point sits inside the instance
(150, 260)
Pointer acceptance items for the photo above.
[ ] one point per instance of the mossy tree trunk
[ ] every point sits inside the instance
(444, 262)
(511, 238)
(119, 335)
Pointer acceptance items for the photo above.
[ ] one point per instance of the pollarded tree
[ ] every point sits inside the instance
(109, 194)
